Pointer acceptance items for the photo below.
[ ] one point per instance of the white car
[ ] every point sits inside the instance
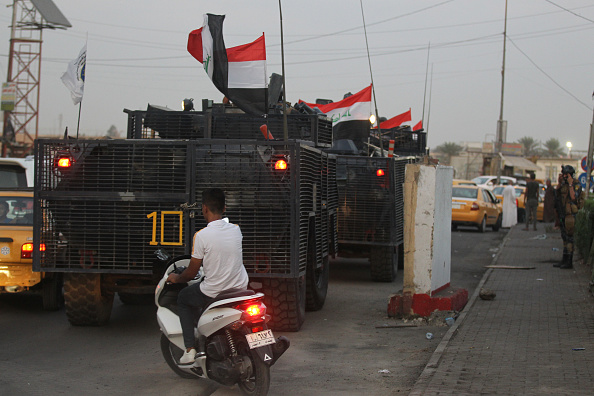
(489, 181)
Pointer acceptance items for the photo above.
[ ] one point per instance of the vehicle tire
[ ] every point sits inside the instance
(285, 302)
(259, 380)
(454, 227)
(401, 256)
(172, 354)
(136, 299)
(51, 292)
(86, 304)
(316, 278)
(384, 264)
(497, 224)
(483, 226)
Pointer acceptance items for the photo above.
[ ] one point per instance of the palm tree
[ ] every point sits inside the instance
(450, 149)
(530, 145)
(553, 148)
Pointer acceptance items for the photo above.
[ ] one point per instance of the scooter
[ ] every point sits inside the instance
(234, 343)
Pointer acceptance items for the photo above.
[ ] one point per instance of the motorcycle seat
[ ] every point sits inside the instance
(232, 293)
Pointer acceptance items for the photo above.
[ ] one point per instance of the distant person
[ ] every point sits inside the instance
(531, 201)
(510, 210)
(4, 209)
(548, 215)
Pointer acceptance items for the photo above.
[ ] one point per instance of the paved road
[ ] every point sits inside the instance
(339, 350)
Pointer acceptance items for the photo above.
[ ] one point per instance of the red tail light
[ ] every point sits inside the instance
(27, 250)
(380, 172)
(474, 206)
(253, 312)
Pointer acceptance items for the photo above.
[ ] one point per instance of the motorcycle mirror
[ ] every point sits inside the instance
(162, 255)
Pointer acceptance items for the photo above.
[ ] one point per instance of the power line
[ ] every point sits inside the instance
(571, 12)
(548, 76)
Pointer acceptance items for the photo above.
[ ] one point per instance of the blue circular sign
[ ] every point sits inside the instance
(585, 163)
(582, 179)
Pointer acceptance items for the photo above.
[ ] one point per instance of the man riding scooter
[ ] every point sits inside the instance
(218, 249)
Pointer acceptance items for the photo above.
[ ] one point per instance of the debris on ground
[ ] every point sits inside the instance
(487, 294)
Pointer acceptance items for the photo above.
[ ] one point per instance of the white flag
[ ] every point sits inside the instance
(74, 78)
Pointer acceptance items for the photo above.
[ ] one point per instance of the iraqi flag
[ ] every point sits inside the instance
(350, 116)
(418, 125)
(396, 121)
(238, 72)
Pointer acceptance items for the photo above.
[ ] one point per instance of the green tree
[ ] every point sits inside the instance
(553, 148)
(450, 149)
(113, 132)
(530, 146)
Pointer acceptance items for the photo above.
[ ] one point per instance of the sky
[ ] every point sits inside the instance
(440, 58)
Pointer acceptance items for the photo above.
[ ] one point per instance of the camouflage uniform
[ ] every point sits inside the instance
(567, 210)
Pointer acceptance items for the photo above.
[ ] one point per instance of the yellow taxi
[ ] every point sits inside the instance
(475, 206)
(519, 192)
(16, 251)
(462, 182)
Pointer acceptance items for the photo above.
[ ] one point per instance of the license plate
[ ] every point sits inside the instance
(456, 205)
(259, 339)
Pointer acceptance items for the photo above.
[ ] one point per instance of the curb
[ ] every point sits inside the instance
(433, 364)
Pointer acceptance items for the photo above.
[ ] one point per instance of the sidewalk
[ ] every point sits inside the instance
(522, 342)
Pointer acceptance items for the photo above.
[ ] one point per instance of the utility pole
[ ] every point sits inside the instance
(501, 125)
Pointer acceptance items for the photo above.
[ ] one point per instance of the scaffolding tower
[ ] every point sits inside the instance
(20, 94)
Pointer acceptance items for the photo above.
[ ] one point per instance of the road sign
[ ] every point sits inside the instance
(582, 179)
(585, 164)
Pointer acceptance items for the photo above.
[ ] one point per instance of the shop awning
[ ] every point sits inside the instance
(519, 163)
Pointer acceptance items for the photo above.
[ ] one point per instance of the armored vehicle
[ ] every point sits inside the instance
(103, 207)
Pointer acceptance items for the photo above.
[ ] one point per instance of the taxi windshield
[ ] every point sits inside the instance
(16, 210)
(471, 193)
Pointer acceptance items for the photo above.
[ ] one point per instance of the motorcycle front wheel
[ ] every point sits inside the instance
(172, 354)
(259, 381)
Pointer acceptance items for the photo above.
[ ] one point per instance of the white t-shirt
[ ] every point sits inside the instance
(219, 246)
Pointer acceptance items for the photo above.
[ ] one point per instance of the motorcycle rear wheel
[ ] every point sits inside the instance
(259, 381)
(172, 354)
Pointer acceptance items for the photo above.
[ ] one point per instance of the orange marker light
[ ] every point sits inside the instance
(380, 172)
(280, 165)
(64, 162)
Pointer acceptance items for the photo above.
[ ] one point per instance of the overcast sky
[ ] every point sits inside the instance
(137, 55)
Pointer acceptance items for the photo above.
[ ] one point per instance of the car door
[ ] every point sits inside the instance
(491, 207)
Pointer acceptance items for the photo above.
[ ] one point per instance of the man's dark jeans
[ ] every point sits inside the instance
(190, 303)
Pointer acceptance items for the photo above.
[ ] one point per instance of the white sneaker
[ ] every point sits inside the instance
(188, 357)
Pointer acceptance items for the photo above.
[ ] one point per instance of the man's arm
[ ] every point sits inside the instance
(188, 274)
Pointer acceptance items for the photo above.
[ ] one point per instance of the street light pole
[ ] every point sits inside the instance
(500, 123)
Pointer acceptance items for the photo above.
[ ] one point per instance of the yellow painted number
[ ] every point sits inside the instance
(153, 216)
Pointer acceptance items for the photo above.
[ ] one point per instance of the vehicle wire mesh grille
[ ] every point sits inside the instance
(371, 206)
(122, 200)
(168, 124)
(407, 142)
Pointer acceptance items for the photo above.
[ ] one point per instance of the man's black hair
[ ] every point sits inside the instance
(532, 176)
(214, 199)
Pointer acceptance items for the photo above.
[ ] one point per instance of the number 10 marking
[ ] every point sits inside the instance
(153, 215)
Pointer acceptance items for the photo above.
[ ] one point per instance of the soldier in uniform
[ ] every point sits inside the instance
(569, 198)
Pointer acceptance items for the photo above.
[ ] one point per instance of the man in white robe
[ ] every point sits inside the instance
(510, 211)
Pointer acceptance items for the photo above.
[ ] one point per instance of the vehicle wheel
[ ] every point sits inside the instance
(136, 299)
(454, 227)
(401, 256)
(316, 278)
(285, 302)
(483, 226)
(51, 292)
(384, 264)
(172, 354)
(497, 224)
(521, 215)
(259, 380)
(86, 304)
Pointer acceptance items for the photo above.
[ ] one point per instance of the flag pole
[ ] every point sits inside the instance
(426, 74)
(379, 131)
(285, 126)
(78, 123)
